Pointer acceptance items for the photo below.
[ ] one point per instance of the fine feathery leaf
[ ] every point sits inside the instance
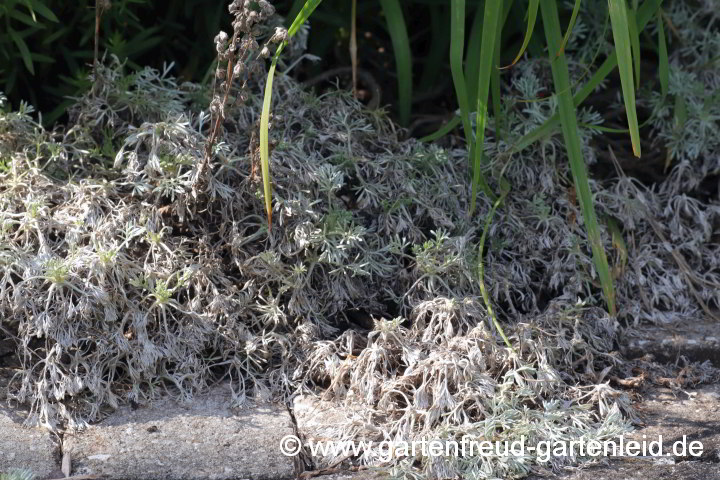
(403, 56)
(568, 121)
(621, 35)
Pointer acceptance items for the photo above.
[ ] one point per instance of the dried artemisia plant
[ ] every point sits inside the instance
(239, 57)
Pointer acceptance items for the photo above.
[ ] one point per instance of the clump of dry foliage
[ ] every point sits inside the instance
(123, 276)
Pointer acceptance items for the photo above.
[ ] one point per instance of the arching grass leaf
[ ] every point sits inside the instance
(491, 22)
(302, 17)
(403, 56)
(573, 19)
(532, 18)
(568, 122)
(623, 50)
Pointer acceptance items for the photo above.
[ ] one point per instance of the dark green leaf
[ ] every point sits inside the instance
(24, 50)
(664, 63)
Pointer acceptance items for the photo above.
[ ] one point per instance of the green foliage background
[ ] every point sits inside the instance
(46, 46)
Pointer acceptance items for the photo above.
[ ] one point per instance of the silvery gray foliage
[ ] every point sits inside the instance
(687, 120)
(117, 283)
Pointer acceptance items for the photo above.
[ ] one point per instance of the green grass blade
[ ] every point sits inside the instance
(646, 11)
(634, 44)
(505, 189)
(532, 19)
(353, 46)
(297, 5)
(302, 17)
(442, 131)
(491, 22)
(680, 112)
(439, 44)
(495, 89)
(457, 45)
(600, 128)
(621, 34)
(664, 62)
(403, 56)
(573, 19)
(568, 121)
(472, 55)
(40, 8)
(495, 84)
(264, 148)
(23, 49)
(679, 117)
(619, 245)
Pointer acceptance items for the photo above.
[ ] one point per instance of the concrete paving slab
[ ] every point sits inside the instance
(698, 341)
(25, 448)
(205, 440)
